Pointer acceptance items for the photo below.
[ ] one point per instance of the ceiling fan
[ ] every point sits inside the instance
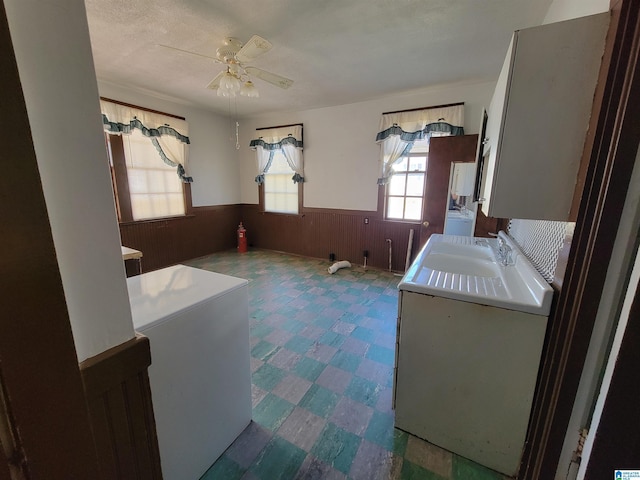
(236, 78)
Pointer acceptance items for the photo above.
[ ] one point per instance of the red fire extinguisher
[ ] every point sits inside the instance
(242, 239)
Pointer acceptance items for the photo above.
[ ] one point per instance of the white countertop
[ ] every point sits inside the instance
(130, 253)
(516, 287)
(156, 296)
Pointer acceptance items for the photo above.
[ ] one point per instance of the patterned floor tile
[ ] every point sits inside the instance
(279, 460)
(224, 468)
(314, 469)
(346, 361)
(380, 354)
(319, 400)
(248, 445)
(381, 432)
(464, 469)
(376, 372)
(373, 462)
(334, 379)
(363, 391)
(321, 352)
(327, 343)
(285, 359)
(292, 388)
(302, 428)
(429, 456)
(309, 368)
(337, 447)
(272, 411)
(351, 416)
(267, 376)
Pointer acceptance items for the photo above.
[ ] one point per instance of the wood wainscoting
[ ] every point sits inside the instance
(320, 232)
(116, 385)
(168, 241)
(316, 233)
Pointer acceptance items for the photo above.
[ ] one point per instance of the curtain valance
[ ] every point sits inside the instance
(287, 140)
(417, 124)
(168, 135)
(398, 131)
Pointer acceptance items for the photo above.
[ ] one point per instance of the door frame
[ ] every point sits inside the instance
(609, 158)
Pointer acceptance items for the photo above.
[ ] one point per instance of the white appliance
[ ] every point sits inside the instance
(468, 349)
(197, 323)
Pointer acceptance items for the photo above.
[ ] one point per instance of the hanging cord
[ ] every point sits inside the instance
(235, 103)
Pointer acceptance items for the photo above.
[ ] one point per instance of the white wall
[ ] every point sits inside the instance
(340, 154)
(561, 10)
(212, 158)
(51, 42)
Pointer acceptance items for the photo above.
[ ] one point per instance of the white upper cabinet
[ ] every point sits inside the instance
(538, 119)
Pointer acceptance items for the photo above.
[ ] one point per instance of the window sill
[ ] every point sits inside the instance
(157, 220)
(407, 222)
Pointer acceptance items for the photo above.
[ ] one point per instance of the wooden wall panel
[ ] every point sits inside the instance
(167, 242)
(318, 233)
(118, 393)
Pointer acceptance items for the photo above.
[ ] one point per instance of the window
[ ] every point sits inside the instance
(280, 168)
(280, 193)
(144, 186)
(405, 190)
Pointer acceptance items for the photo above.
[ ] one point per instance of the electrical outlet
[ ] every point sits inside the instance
(366, 221)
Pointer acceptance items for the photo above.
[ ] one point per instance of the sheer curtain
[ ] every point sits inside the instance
(399, 130)
(168, 135)
(288, 140)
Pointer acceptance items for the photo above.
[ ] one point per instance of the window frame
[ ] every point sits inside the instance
(261, 200)
(405, 196)
(120, 184)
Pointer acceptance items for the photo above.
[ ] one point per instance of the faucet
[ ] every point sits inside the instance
(505, 253)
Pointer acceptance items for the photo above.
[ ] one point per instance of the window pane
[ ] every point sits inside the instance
(400, 165)
(155, 188)
(413, 209)
(415, 184)
(280, 193)
(397, 184)
(417, 164)
(394, 207)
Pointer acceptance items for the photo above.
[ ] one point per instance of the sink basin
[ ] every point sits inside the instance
(462, 265)
(465, 268)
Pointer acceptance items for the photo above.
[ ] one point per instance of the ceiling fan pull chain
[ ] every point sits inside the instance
(237, 139)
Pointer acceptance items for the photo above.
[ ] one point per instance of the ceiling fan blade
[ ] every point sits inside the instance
(215, 83)
(255, 47)
(272, 78)
(187, 51)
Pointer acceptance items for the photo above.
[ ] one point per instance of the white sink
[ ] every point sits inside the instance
(462, 265)
(465, 268)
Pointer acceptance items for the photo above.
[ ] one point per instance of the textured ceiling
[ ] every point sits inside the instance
(336, 51)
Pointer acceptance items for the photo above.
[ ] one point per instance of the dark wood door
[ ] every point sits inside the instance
(443, 151)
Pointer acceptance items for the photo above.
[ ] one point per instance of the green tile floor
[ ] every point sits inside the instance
(322, 355)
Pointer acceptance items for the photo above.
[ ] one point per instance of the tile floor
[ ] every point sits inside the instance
(322, 355)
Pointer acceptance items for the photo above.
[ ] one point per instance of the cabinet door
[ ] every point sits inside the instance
(539, 117)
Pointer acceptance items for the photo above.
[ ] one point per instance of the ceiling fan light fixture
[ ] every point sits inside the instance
(229, 82)
(249, 90)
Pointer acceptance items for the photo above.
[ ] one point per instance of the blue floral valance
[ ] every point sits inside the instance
(288, 141)
(399, 130)
(121, 128)
(440, 127)
(168, 135)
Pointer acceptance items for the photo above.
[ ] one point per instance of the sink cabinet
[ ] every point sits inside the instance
(538, 119)
(466, 375)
